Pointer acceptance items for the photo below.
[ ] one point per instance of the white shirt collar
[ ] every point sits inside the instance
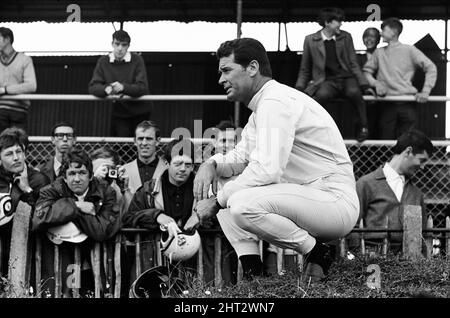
(126, 58)
(325, 38)
(254, 101)
(391, 174)
(56, 166)
(81, 197)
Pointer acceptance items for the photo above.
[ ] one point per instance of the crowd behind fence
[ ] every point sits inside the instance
(105, 257)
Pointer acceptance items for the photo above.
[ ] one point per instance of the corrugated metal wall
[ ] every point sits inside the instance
(180, 73)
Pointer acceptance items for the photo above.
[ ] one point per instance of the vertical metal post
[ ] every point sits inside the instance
(237, 107)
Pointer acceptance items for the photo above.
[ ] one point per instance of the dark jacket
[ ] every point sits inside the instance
(36, 180)
(47, 168)
(56, 206)
(312, 69)
(147, 204)
(132, 75)
(378, 202)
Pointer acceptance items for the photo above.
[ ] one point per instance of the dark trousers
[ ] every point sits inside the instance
(347, 87)
(9, 118)
(396, 118)
(228, 260)
(125, 127)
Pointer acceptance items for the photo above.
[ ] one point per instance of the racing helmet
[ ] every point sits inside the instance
(183, 248)
(157, 282)
(68, 232)
(6, 209)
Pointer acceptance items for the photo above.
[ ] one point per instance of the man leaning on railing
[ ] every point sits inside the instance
(390, 70)
(74, 209)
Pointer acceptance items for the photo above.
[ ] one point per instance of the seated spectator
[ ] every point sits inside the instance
(74, 209)
(385, 192)
(147, 165)
(17, 181)
(64, 139)
(390, 71)
(371, 39)
(166, 201)
(16, 77)
(330, 67)
(122, 73)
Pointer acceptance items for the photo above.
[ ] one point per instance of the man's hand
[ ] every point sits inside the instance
(370, 91)
(117, 87)
(206, 209)
(380, 89)
(86, 207)
(205, 176)
(101, 171)
(422, 97)
(108, 90)
(2, 90)
(22, 180)
(168, 224)
(192, 223)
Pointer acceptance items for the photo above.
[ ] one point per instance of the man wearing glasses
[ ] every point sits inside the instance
(147, 165)
(64, 139)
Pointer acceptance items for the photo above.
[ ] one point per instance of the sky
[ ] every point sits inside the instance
(78, 38)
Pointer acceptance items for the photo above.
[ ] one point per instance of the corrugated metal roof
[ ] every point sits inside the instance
(213, 10)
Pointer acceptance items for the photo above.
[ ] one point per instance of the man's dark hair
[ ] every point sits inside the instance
(330, 14)
(179, 147)
(7, 33)
(224, 125)
(105, 152)
(13, 136)
(121, 36)
(147, 124)
(62, 124)
(393, 23)
(78, 156)
(415, 139)
(374, 30)
(246, 50)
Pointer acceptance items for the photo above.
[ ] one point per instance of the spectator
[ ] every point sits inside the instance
(371, 39)
(330, 67)
(64, 139)
(166, 200)
(20, 182)
(225, 138)
(147, 165)
(122, 73)
(385, 192)
(74, 209)
(16, 77)
(394, 66)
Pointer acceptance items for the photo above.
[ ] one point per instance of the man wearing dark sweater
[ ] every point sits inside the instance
(122, 73)
(329, 67)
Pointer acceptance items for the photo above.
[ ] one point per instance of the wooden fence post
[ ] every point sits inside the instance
(117, 265)
(38, 266)
(280, 259)
(362, 241)
(217, 261)
(20, 250)
(447, 235)
(77, 269)
(412, 232)
(96, 263)
(137, 242)
(429, 238)
(342, 251)
(200, 263)
(57, 269)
